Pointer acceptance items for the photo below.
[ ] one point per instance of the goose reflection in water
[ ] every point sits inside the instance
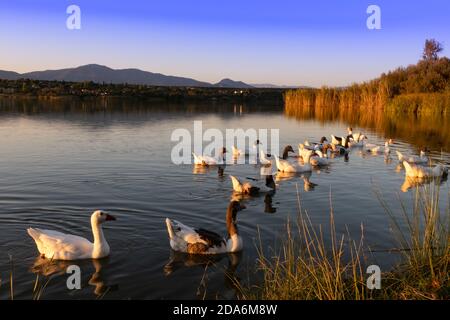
(410, 182)
(199, 169)
(180, 260)
(268, 208)
(51, 268)
(308, 185)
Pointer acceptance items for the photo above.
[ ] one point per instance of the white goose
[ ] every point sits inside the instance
(422, 158)
(303, 150)
(336, 140)
(357, 140)
(60, 246)
(374, 149)
(201, 241)
(263, 158)
(286, 166)
(253, 188)
(416, 171)
(203, 160)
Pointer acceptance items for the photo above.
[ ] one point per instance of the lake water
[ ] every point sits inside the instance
(59, 164)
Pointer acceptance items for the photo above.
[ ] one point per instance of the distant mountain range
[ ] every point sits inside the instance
(102, 74)
(275, 86)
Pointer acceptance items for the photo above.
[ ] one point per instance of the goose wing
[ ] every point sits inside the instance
(211, 238)
(60, 246)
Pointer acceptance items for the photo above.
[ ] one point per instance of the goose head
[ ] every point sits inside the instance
(286, 151)
(233, 209)
(100, 216)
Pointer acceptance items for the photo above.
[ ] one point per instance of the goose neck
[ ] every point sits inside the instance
(231, 222)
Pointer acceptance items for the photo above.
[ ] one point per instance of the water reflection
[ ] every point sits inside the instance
(421, 130)
(180, 260)
(410, 182)
(112, 105)
(49, 268)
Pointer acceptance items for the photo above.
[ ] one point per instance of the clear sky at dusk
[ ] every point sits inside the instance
(292, 42)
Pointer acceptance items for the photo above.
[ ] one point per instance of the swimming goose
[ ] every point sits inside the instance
(60, 246)
(422, 158)
(209, 161)
(337, 140)
(201, 241)
(263, 159)
(252, 189)
(285, 166)
(373, 148)
(357, 140)
(303, 150)
(417, 171)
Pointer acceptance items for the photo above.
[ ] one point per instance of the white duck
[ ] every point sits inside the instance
(263, 158)
(422, 158)
(60, 246)
(201, 241)
(253, 188)
(204, 160)
(416, 171)
(286, 166)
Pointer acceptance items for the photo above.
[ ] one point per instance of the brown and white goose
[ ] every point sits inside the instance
(201, 241)
(253, 188)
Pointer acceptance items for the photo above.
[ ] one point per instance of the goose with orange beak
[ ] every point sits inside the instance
(56, 245)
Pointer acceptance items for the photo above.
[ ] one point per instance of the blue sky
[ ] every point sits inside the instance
(293, 42)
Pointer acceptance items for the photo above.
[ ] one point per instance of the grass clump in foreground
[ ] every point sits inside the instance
(307, 267)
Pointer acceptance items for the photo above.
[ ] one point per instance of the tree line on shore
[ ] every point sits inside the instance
(57, 89)
(420, 88)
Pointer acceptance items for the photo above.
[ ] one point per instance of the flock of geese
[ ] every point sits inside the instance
(60, 246)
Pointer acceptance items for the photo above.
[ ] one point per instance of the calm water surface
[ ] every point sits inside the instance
(56, 167)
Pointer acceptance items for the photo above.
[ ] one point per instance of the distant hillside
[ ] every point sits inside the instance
(275, 86)
(228, 83)
(102, 74)
(9, 75)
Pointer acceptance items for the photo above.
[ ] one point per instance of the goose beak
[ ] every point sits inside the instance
(110, 218)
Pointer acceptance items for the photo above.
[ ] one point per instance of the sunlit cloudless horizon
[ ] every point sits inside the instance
(284, 42)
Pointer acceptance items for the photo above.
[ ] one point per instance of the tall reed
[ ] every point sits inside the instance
(305, 266)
